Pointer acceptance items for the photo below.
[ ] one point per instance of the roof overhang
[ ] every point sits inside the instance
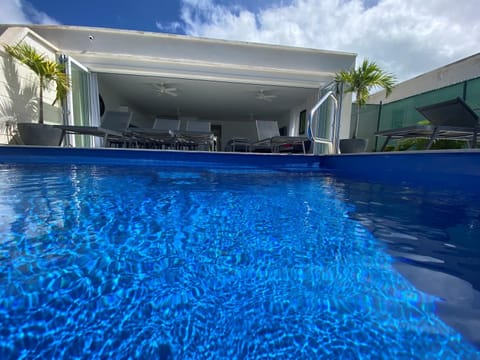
(157, 54)
(215, 79)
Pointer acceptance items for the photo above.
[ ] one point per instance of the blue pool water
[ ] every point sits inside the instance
(148, 262)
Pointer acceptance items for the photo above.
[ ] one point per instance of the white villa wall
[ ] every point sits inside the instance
(195, 58)
(294, 120)
(111, 51)
(18, 84)
(283, 121)
(462, 70)
(345, 117)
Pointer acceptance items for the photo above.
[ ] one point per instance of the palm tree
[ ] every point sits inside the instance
(360, 81)
(48, 71)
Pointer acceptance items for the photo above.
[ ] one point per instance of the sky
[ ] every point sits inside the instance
(404, 37)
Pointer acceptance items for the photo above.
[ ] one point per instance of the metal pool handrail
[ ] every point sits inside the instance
(330, 142)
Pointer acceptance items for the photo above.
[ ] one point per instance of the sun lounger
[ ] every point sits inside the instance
(196, 135)
(452, 119)
(161, 135)
(112, 128)
(270, 139)
(238, 144)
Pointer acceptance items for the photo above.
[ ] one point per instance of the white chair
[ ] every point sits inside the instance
(116, 120)
(266, 129)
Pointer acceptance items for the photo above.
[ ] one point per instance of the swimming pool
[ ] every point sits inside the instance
(148, 261)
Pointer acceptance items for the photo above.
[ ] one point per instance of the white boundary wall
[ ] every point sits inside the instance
(19, 85)
(454, 73)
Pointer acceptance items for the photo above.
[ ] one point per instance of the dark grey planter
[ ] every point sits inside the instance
(349, 146)
(39, 134)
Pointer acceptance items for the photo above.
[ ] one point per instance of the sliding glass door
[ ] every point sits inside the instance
(82, 102)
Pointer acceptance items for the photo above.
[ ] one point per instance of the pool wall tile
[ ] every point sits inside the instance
(451, 168)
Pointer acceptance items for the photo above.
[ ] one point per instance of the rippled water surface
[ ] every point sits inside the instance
(145, 262)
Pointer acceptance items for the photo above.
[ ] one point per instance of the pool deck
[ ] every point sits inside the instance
(459, 168)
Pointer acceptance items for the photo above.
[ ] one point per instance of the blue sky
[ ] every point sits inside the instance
(133, 15)
(406, 37)
(146, 15)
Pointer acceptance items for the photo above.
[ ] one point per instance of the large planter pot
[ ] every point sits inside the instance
(39, 134)
(348, 146)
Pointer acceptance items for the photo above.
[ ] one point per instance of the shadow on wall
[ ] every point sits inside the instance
(19, 103)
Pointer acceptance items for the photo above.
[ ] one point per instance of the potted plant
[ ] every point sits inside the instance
(48, 72)
(360, 81)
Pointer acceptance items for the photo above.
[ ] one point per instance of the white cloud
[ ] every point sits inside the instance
(406, 37)
(172, 27)
(22, 12)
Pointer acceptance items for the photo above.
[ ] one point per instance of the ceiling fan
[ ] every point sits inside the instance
(262, 95)
(164, 89)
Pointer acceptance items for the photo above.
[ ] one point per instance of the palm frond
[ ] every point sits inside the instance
(27, 55)
(366, 77)
(362, 80)
(47, 70)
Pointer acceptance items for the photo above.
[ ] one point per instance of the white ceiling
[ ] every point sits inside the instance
(214, 100)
